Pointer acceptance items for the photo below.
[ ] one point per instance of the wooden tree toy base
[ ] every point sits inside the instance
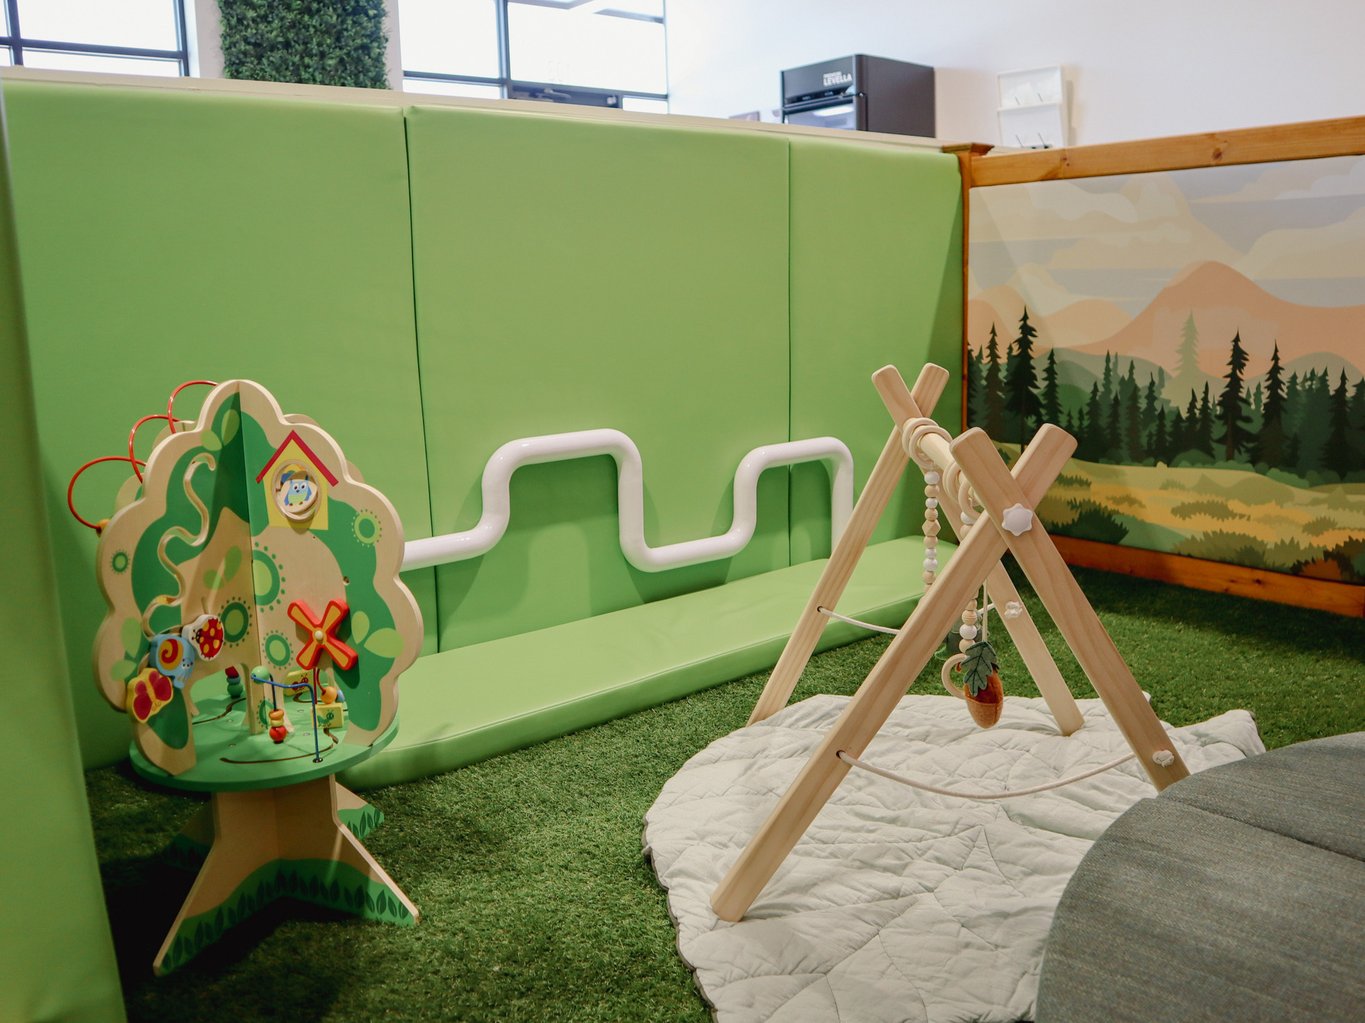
(279, 843)
(189, 849)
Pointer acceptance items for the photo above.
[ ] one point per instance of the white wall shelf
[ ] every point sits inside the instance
(1033, 111)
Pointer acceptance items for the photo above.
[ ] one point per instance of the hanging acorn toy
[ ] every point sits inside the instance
(981, 683)
(977, 664)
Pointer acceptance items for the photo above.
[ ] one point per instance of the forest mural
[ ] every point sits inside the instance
(1202, 334)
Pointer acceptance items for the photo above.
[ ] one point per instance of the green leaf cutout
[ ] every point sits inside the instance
(131, 634)
(385, 643)
(211, 442)
(978, 667)
(230, 422)
(123, 670)
(360, 626)
(232, 561)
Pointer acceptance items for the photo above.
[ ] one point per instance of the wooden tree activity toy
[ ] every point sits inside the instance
(967, 479)
(255, 633)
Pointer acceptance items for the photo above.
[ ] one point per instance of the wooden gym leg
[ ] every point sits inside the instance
(902, 405)
(881, 484)
(1027, 639)
(1062, 596)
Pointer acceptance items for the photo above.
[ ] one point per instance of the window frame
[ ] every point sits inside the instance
(15, 40)
(506, 83)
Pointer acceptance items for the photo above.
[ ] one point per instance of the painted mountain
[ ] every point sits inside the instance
(1202, 334)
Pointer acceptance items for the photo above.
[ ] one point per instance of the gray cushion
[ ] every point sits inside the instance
(1237, 894)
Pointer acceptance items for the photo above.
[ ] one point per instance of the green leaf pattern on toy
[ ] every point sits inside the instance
(229, 424)
(978, 666)
(385, 643)
(232, 561)
(211, 442)
(217, 578)
(360, 626)
(131, 634)
(123, 670)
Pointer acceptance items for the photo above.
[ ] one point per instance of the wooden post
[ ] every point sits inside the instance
(966, 154)
(877, 697)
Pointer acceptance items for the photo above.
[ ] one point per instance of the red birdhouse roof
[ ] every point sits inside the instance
(317, 463)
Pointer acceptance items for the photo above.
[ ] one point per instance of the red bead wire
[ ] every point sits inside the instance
(132, 436)
(131, 458)
(170, 402)
(71, 487)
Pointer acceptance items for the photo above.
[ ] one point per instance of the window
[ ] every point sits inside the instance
(134, 37)
(599, 52)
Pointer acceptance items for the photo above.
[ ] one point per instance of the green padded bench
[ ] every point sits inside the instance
(464, 705)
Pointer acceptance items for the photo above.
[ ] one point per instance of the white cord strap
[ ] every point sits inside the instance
(855, 621)
(923, 787)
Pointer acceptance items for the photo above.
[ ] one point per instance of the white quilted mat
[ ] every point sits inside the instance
(898, 905)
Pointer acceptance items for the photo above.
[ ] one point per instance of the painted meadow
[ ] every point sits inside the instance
(1201, 333)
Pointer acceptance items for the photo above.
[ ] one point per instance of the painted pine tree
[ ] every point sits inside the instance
(1269, 447)
(1051, 404)
(1232, 416)
(1188, 376)
(1021, 383)
(994, 389)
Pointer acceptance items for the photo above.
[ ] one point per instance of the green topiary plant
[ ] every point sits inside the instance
(318, 42)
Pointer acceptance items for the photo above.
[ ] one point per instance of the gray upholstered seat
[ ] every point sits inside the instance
(1237, 894)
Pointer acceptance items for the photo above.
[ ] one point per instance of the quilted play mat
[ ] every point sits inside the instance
(899, 904)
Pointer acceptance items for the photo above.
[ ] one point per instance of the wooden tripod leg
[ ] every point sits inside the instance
(881, 484)
(1027, 639)
(1036, 656)
(866, 712)
(877, 697)
(1062, 596)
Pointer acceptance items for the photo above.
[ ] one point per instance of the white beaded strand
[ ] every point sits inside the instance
(931, 526)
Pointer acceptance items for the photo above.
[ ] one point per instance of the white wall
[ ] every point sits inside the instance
(1137, 69)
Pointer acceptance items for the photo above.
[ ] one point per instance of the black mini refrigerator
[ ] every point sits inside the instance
(861, 93)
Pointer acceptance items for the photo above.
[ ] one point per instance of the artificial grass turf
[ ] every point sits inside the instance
(536, 901)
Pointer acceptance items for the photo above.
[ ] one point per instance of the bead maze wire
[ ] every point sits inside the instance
(131, 458)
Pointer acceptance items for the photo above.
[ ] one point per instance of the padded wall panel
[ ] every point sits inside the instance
(54, 938)
(168, 236)
(573, 275)
(876, 278)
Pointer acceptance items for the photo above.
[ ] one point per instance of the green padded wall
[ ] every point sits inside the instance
(576, 274)
(172, 235)
(54, 938)
(876, 278)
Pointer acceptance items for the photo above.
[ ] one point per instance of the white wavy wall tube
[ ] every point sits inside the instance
(630, 496)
